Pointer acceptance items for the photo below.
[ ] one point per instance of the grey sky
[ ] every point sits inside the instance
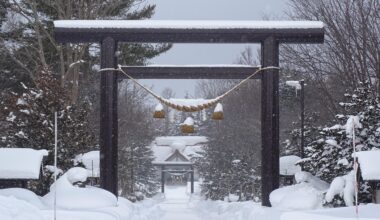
(207, 53)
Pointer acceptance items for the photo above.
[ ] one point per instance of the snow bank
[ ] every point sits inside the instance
(12, 208)
(72, 197)
(11, 168)
(369, 164)
(366, 212)
(24, 195)
(306, 195)
(288, 165)
(302, 196)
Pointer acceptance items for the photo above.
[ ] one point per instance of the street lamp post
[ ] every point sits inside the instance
(302, 83)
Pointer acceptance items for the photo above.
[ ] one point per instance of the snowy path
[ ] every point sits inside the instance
(177, 204)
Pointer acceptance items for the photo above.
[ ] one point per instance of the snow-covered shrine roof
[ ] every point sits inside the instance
(288, 165)
(188, 146)
(91, 161)
(369, 164)
(21, 163)
(187, 24)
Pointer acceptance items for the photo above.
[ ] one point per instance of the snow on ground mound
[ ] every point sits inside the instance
(12, 208)
(306, 195)
(24, 195)
(366, 212)
(72, 197)
(302, 196)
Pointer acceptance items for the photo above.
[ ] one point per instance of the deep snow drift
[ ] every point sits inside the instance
(75, 203)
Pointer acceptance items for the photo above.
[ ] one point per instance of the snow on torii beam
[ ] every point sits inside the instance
(161, 31)
(268, 33)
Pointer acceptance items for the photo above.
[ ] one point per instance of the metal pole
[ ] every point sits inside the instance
(302, 82)
(55, 162)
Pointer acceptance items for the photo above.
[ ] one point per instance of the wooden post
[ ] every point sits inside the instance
(269, 120)
(192, 179)
(108, 118)
(162, 179)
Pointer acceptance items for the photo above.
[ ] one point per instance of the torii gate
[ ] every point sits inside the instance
(267, 33)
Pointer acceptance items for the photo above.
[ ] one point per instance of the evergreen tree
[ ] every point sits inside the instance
(330, 154)
(137, 175)
(29, 118)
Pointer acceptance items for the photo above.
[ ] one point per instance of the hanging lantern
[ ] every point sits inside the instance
(159, 111)
(218, 112)
(187, 126)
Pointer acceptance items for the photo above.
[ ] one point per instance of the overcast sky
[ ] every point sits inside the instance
(207, 53)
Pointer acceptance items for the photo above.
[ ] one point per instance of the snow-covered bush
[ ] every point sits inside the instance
(344, 187)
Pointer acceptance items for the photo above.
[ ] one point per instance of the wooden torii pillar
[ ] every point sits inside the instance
(270, 34)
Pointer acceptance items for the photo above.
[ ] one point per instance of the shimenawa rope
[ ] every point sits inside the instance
(191, 108)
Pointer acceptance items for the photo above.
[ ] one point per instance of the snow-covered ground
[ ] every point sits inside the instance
(176, 204)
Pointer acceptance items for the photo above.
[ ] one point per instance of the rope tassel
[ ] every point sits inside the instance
(187, 126)
(218, 112)
(159, 111)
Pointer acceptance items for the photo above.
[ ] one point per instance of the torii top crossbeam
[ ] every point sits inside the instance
(185, 31)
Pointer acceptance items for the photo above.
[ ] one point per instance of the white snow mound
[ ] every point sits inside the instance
(24, 195)
(70, 196)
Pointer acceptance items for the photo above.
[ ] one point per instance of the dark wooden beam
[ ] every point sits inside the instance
(190, 72)
(270, 120)
(108, 118)
(161, 32)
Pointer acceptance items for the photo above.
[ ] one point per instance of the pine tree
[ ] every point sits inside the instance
(137, 175)
(29, 118)
(330, 154)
